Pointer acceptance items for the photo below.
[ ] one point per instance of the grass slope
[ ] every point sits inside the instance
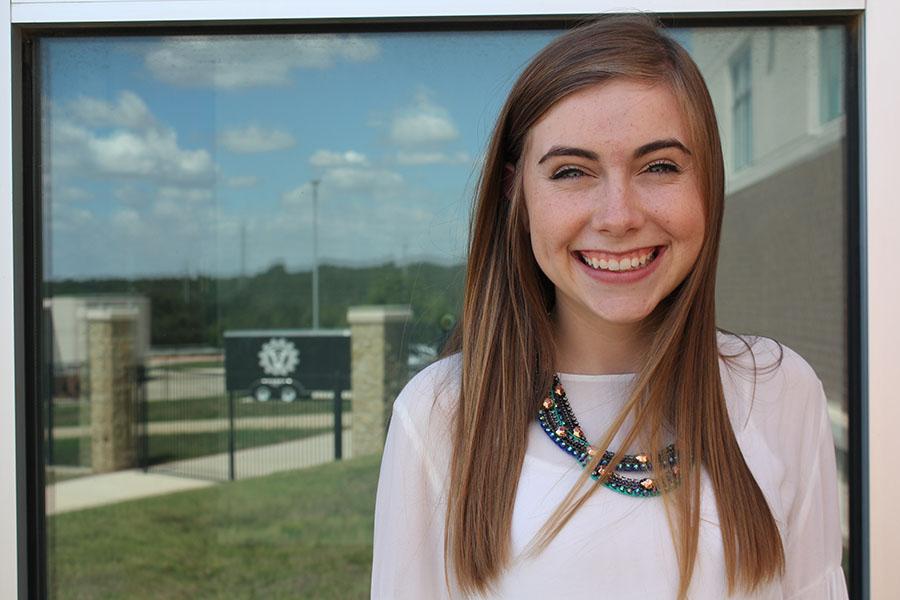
(303, 534)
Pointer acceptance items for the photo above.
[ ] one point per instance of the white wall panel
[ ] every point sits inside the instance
(882, 130)
(8, 556)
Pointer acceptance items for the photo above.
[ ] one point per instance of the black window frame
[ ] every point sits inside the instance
(28, 240)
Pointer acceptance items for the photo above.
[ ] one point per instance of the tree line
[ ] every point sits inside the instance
(198, 309)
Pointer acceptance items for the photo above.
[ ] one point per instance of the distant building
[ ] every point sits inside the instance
(782, 265)
(783, 259)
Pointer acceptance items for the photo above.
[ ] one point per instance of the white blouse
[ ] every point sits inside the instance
(616, 546)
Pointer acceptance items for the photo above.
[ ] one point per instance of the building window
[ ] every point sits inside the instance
(741, 112)
(831, 73)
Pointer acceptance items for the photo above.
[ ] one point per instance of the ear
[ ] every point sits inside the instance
(509, 181)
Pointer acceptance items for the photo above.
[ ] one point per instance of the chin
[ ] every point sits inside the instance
(622, 318)
(622, 311)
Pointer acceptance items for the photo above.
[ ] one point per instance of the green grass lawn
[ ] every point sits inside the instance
(302, 534)
(170, 447)
(214, 407)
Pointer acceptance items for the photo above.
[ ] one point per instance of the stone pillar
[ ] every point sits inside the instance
(379, 370)
(111, 338)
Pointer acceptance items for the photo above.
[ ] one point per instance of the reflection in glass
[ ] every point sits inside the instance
(252, 243)
(782, 265)
(831, 73)
(741, 108)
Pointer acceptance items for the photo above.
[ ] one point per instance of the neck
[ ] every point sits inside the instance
(591, 346)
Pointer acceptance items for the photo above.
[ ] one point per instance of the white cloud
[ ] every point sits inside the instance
(348, 178)
(136, 147)
(253, 139)
(326, 158)
(127, 219)
(423, 123)
(155, 154)
(341, 181)
(242, 181)
(251, 61)
(129, 112)
(65, 217)
(178, 231)
(432, 158)
(180, 210)
(164, 234)
(179, 194)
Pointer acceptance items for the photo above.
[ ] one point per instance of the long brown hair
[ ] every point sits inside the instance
(507, 345)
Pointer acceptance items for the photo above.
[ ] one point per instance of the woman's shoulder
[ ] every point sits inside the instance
(765, 358)
(780, 418)
(766, 376)
(431, 392)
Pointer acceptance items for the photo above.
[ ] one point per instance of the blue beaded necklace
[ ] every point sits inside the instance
(558, 421)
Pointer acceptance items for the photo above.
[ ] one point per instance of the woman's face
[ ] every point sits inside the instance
(614, 208)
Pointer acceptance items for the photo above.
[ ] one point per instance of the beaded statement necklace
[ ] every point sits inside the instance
(558, 421)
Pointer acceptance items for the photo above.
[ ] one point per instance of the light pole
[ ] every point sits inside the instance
(315, 269)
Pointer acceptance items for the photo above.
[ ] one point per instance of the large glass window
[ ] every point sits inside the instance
(252, 241)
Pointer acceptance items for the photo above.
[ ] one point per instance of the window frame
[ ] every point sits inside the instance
(22, 528)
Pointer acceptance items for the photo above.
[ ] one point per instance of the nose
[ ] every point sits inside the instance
(617, 208)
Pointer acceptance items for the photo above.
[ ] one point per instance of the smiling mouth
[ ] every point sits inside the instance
(634, 262)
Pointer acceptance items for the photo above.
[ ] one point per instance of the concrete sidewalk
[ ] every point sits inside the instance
(110, 488)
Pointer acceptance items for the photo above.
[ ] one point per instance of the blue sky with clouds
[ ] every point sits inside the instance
(158, 152)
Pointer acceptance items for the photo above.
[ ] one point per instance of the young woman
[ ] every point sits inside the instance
(594, 435)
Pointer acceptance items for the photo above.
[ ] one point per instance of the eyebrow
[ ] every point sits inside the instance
(568, 151)
(659, 145)
(590, 155)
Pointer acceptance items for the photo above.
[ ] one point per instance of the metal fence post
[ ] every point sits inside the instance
(50, 390)
(143, 418)
(231, 436)
(338, 425)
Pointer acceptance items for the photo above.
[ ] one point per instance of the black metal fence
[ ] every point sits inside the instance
(191, 426)
(185, 423)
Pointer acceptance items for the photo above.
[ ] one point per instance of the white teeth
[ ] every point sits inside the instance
(626, 264)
